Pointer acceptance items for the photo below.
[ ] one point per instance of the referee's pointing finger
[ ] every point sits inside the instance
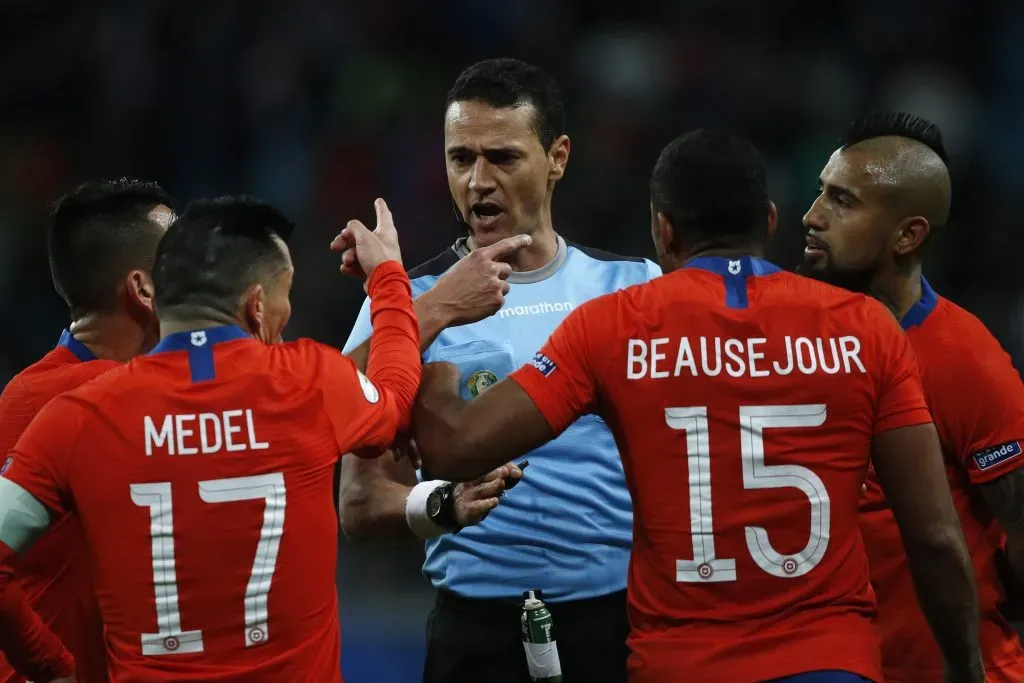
(500, 250)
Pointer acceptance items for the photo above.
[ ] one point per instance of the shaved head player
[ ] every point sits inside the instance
(884, 194)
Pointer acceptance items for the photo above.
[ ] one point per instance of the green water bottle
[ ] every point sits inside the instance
(538, 641)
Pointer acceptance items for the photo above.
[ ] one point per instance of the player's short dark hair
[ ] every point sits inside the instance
(99, 232)
(504, 83)
(711, 186)
(899, 124)
(214, 252)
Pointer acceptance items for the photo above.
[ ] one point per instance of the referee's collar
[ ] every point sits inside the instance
(461, 248)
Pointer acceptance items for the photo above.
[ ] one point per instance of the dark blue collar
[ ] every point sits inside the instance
(734, 273)
(744, 266)
(923, 308)
(76, 347)
(181, 341)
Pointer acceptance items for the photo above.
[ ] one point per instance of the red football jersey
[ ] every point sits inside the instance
(743, 400)
(977, 399)
(54, 572)
(203, 474)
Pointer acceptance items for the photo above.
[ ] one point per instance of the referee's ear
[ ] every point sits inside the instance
(558, 158)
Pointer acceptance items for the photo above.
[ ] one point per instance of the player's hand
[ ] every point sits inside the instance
(474, 500)
(475, 287)
(405, 447)
(361, 250)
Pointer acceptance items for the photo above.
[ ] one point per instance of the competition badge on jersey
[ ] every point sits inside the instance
(370, 392)
(480, 381)
(997, 454)
(544, 364)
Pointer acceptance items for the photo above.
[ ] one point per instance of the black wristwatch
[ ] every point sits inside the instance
(441, 507)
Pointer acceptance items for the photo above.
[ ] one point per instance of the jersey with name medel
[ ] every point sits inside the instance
(566, 528)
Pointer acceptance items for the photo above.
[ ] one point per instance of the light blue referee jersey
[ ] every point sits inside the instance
(566, 528)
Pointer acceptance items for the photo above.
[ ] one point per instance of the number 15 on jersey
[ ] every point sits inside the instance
(706, 566)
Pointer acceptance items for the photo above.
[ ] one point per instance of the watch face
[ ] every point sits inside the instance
(433, 504)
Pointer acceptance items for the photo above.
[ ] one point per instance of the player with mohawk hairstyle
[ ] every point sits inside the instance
(884, 194)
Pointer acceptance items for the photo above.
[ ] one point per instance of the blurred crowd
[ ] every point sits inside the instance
(321, 105)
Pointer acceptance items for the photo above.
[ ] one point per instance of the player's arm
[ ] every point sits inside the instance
(461, 440)
(32, 484)
(473, 289)
(1005, 499)
(31, 648)
(366, 412)
(907, 458)
(988, 437)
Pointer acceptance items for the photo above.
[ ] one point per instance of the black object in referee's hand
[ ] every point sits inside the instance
(510, 482)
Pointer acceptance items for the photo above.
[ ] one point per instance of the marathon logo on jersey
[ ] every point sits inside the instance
(990, 457)
(535, 309)
(544, 364)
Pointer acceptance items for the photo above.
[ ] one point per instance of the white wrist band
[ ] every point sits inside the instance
(416, 510)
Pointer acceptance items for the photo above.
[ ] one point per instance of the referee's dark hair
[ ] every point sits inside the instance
(711, 186)
(505, 83)
(98, 233)
(214, 252)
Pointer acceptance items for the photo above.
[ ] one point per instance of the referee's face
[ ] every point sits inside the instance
(499, 173)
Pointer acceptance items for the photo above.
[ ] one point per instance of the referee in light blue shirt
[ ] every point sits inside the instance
(566, 529)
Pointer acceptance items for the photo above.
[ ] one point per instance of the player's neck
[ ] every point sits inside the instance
(169, 326)
(110, 336)
(729, 252)
(680, 259)
(899, 291)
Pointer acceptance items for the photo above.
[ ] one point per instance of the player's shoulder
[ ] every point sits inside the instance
(820, 293)
(55, 374)
(838, 302)
(954, 327)
(957, 344)
(626, 270)
(301, 357)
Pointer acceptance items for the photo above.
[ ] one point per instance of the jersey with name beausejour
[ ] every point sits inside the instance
(744, 400)
(566, 528)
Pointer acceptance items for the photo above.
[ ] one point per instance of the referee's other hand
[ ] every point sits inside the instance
(474, 500)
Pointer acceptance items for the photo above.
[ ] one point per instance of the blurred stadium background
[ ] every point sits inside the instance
(321, 105)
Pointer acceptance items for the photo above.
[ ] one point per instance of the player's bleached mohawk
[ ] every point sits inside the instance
(900, 124)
